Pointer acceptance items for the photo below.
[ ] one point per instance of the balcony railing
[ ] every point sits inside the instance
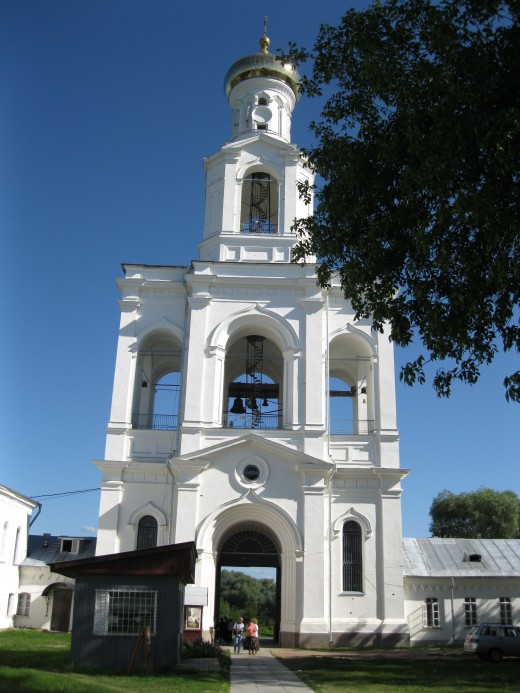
(258, 226)
(155, 422)
(260, 421)
(351, 427)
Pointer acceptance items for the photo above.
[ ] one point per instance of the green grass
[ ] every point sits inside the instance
(32, 661)
(453, 674)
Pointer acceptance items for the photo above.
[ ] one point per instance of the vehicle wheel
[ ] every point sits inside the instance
(495, 655)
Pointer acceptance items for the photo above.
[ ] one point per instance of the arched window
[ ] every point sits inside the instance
(147, 532)
(16, 555)
(259, 211)
(352, 557)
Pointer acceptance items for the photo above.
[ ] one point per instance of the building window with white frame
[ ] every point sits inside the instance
(124, 610)
(506, 614)
(431, 616)
(24, 604)
(470, 611)
(352, 557)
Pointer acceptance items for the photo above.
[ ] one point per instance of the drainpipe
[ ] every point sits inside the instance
(183, 365)
(36, 516)
(331, 477)
(181, 407)
(452, 611)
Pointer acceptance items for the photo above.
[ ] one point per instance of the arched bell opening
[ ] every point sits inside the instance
(251, 547)
(350, 387)
(158, 384)
(253, 373)
(260, 204)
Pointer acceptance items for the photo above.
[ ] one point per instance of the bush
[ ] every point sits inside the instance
(200, 649)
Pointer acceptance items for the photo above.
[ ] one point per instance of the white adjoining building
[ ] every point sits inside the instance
(15, 515)
(251, 413)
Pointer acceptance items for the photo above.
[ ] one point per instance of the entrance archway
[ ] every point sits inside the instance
(250, 547)
(277, 525)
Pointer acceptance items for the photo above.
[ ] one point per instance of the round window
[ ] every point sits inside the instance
(251, 472)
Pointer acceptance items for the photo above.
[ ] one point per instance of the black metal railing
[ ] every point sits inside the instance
(258, 226)
(351, 427)
(155, 422)
(260, 421)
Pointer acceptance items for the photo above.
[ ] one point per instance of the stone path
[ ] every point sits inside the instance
(262, 673)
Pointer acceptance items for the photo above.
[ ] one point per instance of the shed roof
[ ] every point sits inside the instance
(46, 548)
(172, 559)
(436, 557)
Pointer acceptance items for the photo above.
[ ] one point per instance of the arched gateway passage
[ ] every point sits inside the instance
(250, 548)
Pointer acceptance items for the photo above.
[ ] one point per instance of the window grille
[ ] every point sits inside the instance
(352, 557)
(506, 615)
(124, 610)
(431, 618)
(24, 604)
(147, 532)
(470, 611)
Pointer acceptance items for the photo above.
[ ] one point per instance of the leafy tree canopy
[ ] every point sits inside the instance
(418, 148)
(482, 514)
(246, 596)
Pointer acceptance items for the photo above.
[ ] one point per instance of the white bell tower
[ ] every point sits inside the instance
(251, 183)
(253, 413)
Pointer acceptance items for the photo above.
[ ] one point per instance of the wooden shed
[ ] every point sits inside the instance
(118, 597)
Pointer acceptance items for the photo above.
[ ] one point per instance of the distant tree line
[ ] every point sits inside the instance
(481, 514)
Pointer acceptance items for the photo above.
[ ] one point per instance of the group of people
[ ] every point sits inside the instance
(251, 641)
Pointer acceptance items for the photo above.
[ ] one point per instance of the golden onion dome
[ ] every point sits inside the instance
(262, 64)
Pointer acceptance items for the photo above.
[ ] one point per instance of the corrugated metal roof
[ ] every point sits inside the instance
(436, 557)
(44, 548)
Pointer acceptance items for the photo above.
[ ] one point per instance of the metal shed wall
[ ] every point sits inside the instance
(115, 651)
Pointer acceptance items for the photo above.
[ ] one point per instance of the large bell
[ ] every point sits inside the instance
(238, 407)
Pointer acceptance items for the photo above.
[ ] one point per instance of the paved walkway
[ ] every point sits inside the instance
(262, 672)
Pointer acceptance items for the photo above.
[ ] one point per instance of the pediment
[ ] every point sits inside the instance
(252, 444)
(262, 139)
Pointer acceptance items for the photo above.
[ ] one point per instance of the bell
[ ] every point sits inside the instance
(238, 407)
(265, 403)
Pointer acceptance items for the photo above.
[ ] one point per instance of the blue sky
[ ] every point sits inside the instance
(107, 110)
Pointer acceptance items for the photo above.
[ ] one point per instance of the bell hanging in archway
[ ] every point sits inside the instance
(238, 407)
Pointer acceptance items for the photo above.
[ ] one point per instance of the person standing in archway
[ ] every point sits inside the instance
(238, 630)
(252, 635)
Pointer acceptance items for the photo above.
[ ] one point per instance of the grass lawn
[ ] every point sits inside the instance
(368, 674)
(36, 662)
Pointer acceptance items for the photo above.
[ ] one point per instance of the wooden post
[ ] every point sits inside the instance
(142, 646)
